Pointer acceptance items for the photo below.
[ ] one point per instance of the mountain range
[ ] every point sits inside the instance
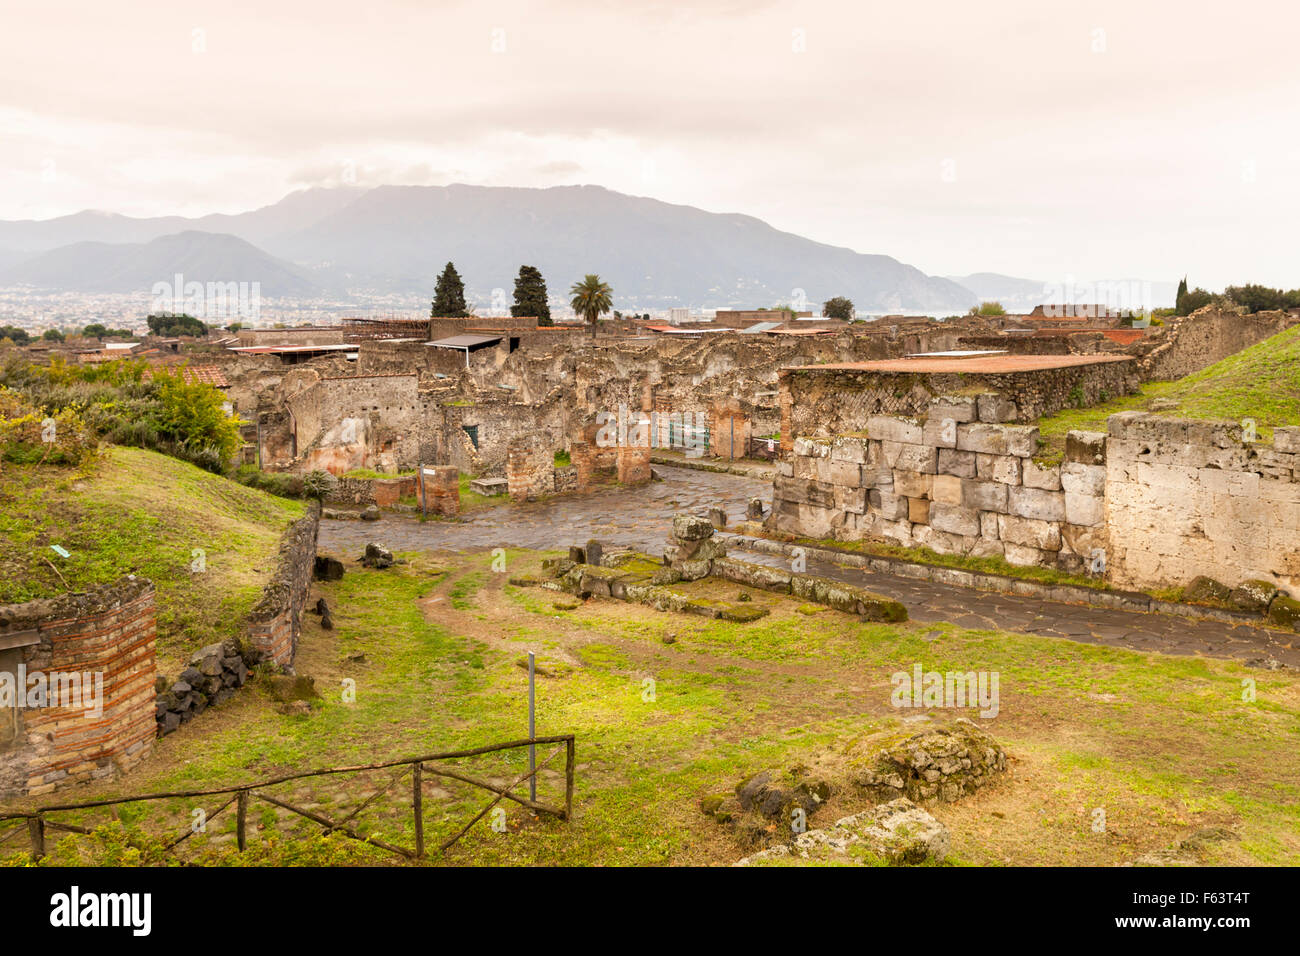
(357, 243)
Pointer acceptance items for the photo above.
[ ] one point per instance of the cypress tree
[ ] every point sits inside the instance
(530, 296)
(449, 295)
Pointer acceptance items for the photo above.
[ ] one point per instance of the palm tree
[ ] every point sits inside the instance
(591, 299)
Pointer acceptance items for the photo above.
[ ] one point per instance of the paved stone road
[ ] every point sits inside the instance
(641, 518)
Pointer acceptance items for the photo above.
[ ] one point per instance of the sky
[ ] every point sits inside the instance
(1051, 140)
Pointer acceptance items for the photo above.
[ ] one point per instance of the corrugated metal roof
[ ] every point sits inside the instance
(760, 327)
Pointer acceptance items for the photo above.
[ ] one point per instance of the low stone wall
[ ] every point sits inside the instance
(103, 638)
(275, 623)
(384, 492)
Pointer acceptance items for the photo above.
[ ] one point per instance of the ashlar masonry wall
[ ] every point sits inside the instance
(1187, 498)
(1155, 502)
(950, 482)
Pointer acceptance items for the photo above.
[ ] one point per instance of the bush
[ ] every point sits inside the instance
(30, 436)
(318, 484)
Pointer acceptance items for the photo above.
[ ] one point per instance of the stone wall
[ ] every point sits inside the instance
(825, 401)
(108, 632)
(1154, 503)
(276, 621)
(530, 471)
(957, 482)
(1188, 498)
(1188, 344)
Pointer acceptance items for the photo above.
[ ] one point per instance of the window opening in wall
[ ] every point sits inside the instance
(472, 432)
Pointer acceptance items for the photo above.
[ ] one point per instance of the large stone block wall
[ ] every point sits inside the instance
(957, 481)
(276, 621)
(108, 631)
(1154, 503)
(1188, 498)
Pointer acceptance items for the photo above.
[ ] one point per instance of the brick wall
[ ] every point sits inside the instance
(109, 632)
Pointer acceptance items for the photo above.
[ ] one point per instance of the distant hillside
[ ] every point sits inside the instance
(652, 253)
(1021, 295)
(98, 267)
(395, 239)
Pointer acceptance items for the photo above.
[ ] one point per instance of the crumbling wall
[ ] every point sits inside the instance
(106, 633)
(275, 623)
(1188, 344)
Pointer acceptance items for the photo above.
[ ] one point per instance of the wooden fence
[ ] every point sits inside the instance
(39, 820)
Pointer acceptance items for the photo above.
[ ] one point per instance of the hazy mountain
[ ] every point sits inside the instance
(1021, 295)
(396, 239)
(652, 253)
(98, 267)
(295, 211)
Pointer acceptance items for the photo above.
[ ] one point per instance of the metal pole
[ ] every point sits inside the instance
(532, 729)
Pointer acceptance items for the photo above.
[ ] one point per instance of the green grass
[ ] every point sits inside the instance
(1260, 383)
(139, 512)
(1172, 747)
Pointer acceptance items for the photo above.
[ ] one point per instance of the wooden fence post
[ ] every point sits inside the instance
(417, 802)
(570, 747)
(241, 818)
(36, 830)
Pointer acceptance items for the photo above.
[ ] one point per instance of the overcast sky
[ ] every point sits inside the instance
(1044, 139)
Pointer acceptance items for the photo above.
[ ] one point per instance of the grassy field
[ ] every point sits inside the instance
(139, 512)
(1260, 383)
(1167, 747)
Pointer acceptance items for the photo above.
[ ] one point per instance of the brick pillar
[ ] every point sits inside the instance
(580, 455)
(530, 471)
(442, 490)
(787, 411)
(633, 465)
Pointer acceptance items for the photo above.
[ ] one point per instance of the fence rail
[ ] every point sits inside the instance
(38, 819)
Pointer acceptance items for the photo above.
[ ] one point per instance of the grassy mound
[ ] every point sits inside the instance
(1261, 383)
(139, 512)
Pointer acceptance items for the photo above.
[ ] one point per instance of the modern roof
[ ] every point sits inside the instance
(465, 341)
(272, 349)
(682, 330)
(800, 331)
(980, 364)
(957, 353)
(759, 327)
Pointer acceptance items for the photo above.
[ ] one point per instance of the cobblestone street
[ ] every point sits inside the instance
(640, 518)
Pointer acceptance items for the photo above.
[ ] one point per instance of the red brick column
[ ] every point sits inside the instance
(442, 490)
